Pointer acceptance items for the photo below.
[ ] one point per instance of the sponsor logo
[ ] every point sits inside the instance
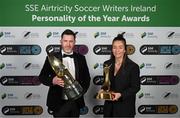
(20, 49)
(96, 34)
(157, 109)
(102, 35)
(148, 35)
(6, 35)
(2, 65)
(82, 49)
(126, 34)
(8, 96)
(169, 95)
(160, 49)
(98, 109)
(107, 49)
(170, 34)
(48, 34)
(147, 66)
(145, 95)
(22, 110)
(81, 35)
(1, 34)
(7, 66)
(3, 96)
(29, 34)
(170, 65)
(159, 80)
(29, 65)
(84, 110)
(98, 65)
(29, 96)
(19, 80)
(3, 49)
(130, 49)
(53, 35)
(173, 35)
(98, 80)
(165, 95)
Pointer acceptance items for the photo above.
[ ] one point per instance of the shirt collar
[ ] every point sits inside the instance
(62, 51)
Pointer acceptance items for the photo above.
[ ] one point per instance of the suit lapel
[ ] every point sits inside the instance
(76, 66)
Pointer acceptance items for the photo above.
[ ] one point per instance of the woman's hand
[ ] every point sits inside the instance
(116, 96)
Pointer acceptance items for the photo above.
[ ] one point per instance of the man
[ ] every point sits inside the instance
(77, 66)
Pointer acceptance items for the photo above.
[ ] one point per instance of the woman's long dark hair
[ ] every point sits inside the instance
(119, 37)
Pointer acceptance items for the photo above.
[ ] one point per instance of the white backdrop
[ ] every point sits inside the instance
(151, 65)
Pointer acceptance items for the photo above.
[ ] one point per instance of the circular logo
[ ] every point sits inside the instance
(130, 49)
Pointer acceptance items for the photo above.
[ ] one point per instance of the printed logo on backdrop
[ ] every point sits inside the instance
(98, 109)
(27, 96)
(84, 110)
(160, 49)
(2, 65)
(30, 96)
(53, 35)
(102, 35)
(98, 80)
(5, 96)
(170, 65)
(7, 66)
(20, 49)
(159, 80)
(22, 110)
(169, 95)
(98, 66)
(81, 34)
(146, 95)
(29, 65)
(126, 34)
(58, 35)
(7, 35)
(106, 49)
(173, 35)
(164, 96)
(147, 66)
(158, 109)
(19, 80)
(148, 35)
(30, 35)
(82, 49)
(1, 34)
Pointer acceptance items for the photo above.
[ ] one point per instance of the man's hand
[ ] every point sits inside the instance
(58, 81)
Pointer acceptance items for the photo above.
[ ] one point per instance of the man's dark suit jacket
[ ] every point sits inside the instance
(82, 75)
(126, 82)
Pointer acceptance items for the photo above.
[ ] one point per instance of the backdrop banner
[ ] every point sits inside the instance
(28, 29)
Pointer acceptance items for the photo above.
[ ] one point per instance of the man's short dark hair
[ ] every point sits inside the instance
(68, 32)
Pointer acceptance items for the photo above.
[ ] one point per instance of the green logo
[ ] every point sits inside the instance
(2, 66)
(1, 34)
(96, 34)
(48, 34)
(142, 66)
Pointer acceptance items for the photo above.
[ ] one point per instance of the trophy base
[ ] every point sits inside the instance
(104, 95)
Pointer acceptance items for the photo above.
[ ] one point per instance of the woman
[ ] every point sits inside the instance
(125, 82)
